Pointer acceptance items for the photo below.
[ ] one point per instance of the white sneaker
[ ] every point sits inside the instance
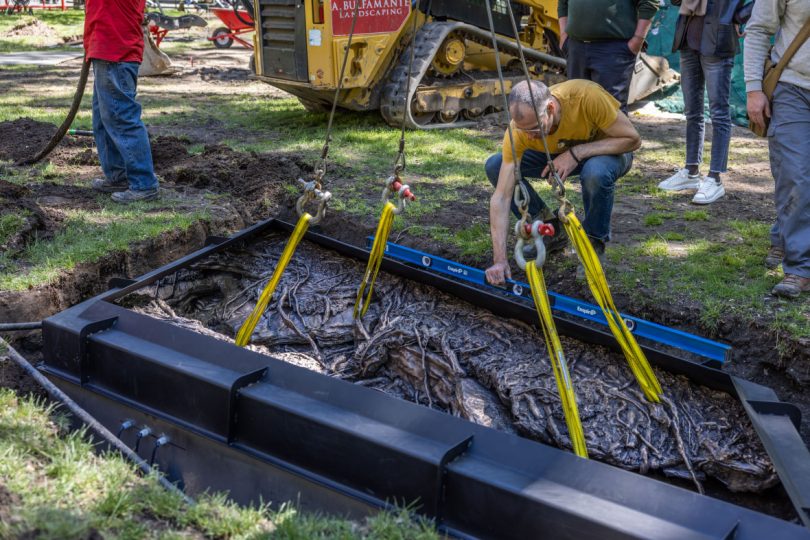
(708, 191)
(680, 181)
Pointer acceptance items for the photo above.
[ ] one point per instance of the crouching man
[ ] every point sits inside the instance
(587, 135)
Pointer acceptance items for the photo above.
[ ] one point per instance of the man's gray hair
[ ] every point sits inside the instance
(520, 95)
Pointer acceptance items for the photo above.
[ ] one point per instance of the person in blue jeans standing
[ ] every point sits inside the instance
(706, 36)
(113, 42)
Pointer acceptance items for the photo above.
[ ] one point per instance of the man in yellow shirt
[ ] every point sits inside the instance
(587, 135)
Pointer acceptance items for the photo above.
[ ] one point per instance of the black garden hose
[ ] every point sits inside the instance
(20, 326)
(63, 129)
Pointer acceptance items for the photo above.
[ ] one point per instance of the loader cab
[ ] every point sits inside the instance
(300, 46)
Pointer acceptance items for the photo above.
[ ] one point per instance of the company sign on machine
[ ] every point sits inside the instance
(373, 16)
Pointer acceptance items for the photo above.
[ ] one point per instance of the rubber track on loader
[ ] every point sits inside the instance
(395, 105)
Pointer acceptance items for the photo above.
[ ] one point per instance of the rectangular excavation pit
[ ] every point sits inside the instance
(347, 448)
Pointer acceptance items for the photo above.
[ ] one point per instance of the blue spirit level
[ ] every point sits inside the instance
(716, 352)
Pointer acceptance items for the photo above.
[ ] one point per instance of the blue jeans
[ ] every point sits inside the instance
(607, 63)
(598, 176)
(789, 145)
(713, 73)
(121, 137)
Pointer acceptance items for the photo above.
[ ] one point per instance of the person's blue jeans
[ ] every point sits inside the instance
(713, 74)
(121, 137)
(789, 145)
(598, 176)
(608, 63)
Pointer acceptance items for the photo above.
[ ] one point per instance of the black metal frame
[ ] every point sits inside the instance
(260, 427)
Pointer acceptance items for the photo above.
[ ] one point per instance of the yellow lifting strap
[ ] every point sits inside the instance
(564, 385)
(243, 337)
(374, 260)
(601, 292)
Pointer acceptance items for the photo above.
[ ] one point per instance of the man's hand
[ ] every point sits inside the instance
(564, 164)
(758, 108)
(498, 273)
(634, 44)
(563, 39)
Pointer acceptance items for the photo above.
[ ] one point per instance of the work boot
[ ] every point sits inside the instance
(774, 257)
(104, 185)
(792, 286)
(130, 196)
(599, 248)
(557, 242)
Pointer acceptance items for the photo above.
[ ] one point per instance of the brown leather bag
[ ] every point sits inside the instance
(773, 72)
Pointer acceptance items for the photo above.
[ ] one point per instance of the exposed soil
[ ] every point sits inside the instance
(255, 180)
(15, 201)
(8, 501)
(24, 137)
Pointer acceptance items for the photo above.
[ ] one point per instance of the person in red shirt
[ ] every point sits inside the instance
(113, 42)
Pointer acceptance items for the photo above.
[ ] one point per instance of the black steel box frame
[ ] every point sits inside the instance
(259, 427)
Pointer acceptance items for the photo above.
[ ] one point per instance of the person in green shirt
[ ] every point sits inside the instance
(601, 39)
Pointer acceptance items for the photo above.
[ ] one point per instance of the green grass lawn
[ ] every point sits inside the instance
(55, 486)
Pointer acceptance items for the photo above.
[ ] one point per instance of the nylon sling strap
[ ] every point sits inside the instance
(535, 275)
(394, 187)
(313, 191)
(593, 268)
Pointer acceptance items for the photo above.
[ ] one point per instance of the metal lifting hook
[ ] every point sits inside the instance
(531, 232)
(313, 192)
(395, 187)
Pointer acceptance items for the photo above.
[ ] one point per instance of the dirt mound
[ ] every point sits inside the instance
(23, 137)
(86, 157)
(258, 180)
(167, 151)
(33, 27)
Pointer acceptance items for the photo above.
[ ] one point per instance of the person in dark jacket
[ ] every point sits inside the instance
(707, 38)
(113, 41)
(602, 39)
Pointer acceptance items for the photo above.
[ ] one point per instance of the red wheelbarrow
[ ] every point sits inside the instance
(237, 22)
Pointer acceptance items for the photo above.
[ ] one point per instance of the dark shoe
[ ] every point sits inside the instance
(559, 241)
(792, 286)
(130, 196)
(599, 247)
(774, 257)
(105, 186)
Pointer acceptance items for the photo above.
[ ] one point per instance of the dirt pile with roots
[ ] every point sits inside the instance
(422, 345)
(32, 27)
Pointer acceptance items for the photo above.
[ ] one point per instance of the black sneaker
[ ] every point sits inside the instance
(130, 196)
(106, 186)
